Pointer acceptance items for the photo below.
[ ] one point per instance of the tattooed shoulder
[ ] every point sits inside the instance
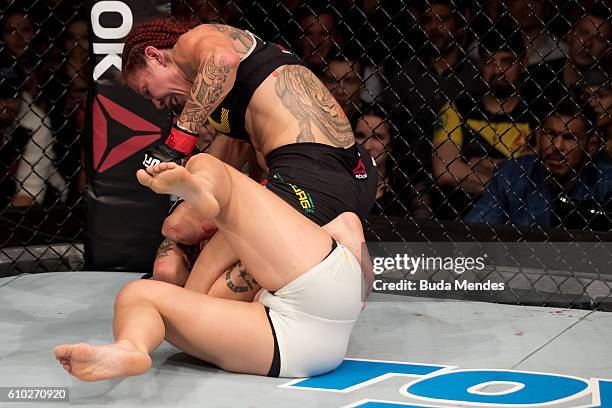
(241, 40)
(310, 102)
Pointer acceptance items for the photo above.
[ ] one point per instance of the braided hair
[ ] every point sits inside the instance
(159, 33)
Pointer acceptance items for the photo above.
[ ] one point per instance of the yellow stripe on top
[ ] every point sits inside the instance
(510, 139)
(448, 126)
(224, 126)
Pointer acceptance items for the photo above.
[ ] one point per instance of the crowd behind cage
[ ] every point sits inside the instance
(496, 112)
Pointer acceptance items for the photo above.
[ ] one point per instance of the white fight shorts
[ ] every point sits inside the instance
(312, 316)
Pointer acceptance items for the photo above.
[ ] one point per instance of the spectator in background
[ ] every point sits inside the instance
(13, 137)
(395, 195)
(202, 11)
(67, 117)
(597, 92)
(532, 17)
(27, 154)
(475, 132)
(377, 29)
(318, 38)
(589, 48)
(344, 79)
(425, 83)
(17, 35)
(560, 186)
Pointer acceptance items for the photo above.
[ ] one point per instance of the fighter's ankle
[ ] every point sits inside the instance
(125, 343)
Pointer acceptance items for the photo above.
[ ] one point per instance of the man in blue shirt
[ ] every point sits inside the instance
(560, 186)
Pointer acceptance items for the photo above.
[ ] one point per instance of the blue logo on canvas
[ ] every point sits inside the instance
(427, 386)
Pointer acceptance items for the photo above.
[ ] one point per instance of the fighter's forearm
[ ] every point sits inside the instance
(215, 78)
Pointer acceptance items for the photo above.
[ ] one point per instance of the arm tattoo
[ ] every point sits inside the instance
(241, 283)
(310, 102)
(206, 92)
(166, 246)
(241, 40)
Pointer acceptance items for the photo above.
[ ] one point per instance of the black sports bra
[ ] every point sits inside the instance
(265, 57)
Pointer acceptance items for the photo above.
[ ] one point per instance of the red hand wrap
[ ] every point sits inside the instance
(181, 140)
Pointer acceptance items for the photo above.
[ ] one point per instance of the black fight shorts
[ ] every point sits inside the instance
(322, 181)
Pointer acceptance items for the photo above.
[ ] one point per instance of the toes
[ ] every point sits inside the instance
(167, 165)
(62, 351)
(151, 169)
(144, 178)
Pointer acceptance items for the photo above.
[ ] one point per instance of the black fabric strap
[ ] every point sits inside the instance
(276, 363)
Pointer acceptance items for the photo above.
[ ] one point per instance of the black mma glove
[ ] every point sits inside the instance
(179, 143)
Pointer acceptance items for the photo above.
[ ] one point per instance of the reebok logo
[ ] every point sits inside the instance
(360, 171)
(283, 49)
(107, 112)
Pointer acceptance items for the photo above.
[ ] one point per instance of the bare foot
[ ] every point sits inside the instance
(170, 178)
(93, 363)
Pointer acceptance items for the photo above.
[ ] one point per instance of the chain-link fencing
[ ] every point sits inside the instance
(488, 121)
(43, 83)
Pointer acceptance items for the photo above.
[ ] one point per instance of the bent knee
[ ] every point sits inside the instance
(201, 162)
(350, 221)
(135, 291)
(345, 224)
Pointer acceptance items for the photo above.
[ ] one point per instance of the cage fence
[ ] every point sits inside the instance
(489, 122)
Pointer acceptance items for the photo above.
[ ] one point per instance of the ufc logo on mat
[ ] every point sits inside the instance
(150, 161)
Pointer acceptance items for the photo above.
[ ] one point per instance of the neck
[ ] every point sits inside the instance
(496, 106)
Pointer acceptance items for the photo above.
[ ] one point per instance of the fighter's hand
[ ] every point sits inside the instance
(160, 154)
(179, 143)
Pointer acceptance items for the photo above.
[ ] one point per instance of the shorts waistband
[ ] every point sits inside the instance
(304, 147)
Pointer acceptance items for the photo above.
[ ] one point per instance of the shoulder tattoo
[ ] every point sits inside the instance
(310, 102)
(241, 40)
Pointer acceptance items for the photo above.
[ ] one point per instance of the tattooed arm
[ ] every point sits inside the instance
(214, 79)
(171, 264)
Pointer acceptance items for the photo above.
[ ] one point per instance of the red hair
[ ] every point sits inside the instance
(159, 33)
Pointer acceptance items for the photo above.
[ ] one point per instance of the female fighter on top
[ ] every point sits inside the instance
(258, 92)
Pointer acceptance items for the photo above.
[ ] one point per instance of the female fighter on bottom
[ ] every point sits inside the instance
(298, 326)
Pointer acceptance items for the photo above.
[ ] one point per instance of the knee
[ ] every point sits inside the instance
(350, 221)
(344, 224)
(134, 292)
(203, 161)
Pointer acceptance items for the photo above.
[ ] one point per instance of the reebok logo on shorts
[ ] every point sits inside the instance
(360, 171)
